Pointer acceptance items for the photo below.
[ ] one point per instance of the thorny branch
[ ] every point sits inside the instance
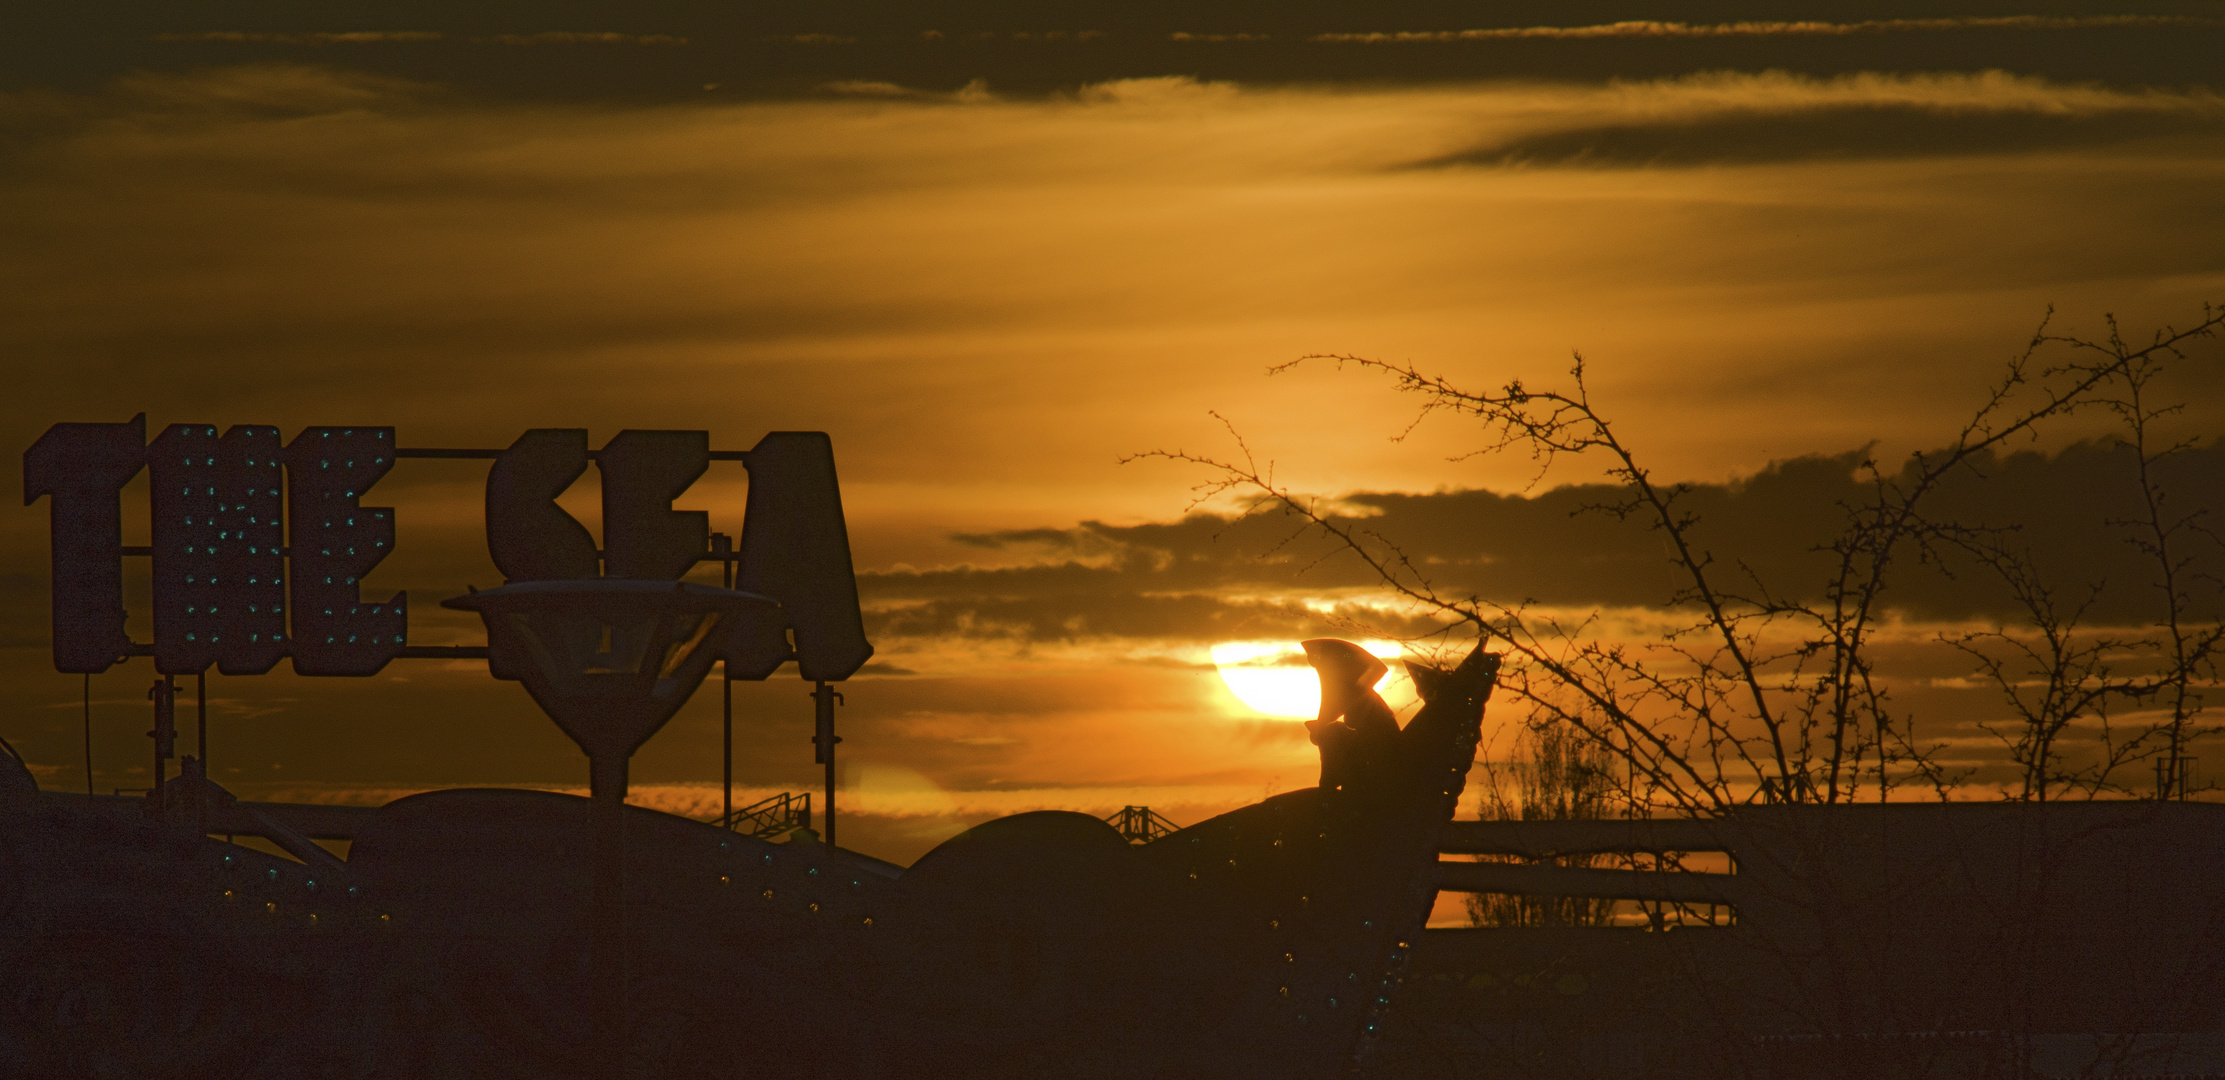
(1769, 695)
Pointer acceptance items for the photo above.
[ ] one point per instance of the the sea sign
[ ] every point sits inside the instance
(260, 546)
(794, 544)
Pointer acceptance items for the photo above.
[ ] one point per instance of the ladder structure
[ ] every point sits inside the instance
(767, 818)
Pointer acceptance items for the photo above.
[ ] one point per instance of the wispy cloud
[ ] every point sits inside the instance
(574, 37)
(348, 37)
(871, 88)
(1018, 35)
(1800, 28)
(1722, 117)
(1980, 91)
(389, 37)
(975, 92)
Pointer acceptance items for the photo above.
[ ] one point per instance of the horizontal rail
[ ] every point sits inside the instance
(408, 652)
(480, 454)
(443, 652)
(1673, 886)
(1545, 839)
(145, 551)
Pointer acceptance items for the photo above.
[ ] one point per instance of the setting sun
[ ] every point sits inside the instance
(1272, 676)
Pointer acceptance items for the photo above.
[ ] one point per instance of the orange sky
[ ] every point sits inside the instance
(987, 300)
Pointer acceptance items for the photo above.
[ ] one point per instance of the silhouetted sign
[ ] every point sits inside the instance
(219, 563)
(643, 471)
(251, 526)
(530, 537)
(185, 480)
(219, 566)
(334, 540)
(83, 468)
(260, 547)
(795, 544)
(796, 549)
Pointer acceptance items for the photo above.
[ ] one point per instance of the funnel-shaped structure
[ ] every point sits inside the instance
(609, 660)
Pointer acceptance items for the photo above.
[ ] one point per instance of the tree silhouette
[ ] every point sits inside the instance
(1767, 691)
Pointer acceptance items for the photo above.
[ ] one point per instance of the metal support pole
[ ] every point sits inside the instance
(88, 736)
(721, 546)
(606, 951)
(726, 743)
(824, 739)
(164, 693)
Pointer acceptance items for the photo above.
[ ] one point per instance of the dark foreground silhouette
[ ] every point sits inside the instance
(1265, 942)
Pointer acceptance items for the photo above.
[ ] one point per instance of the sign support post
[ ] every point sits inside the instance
(825, 699)
(164, 693)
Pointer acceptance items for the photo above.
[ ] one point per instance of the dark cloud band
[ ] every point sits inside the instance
(1799, 28)
(1208, 577)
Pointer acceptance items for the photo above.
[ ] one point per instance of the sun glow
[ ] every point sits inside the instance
(1272, 677)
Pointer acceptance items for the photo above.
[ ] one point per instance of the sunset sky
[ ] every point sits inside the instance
(994, 250)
